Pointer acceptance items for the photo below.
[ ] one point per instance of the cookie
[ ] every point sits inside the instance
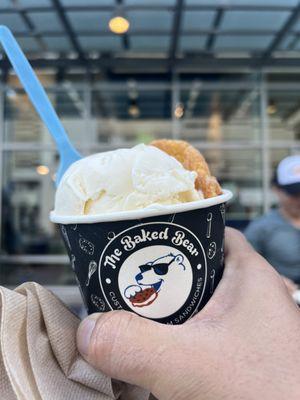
(192, 160)
(140, 298)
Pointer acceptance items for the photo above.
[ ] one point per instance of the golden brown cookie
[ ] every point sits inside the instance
(192, 160)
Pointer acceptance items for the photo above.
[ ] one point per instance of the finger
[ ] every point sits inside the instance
(239, 255)
(243, 268)
(236, 243)
(125, 346)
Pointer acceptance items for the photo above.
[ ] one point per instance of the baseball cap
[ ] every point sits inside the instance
(288, 175)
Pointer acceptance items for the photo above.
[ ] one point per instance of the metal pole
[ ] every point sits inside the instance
(2, 127)
(265, 148)
(176, 125)
(87, 116)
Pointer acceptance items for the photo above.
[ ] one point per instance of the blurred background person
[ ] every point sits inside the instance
(276, 235)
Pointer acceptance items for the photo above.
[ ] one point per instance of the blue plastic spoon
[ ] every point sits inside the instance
(68, 154)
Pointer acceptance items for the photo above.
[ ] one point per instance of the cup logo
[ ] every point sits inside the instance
(158, 270)
(159, 286)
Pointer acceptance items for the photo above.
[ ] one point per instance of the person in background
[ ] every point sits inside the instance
(276, 235)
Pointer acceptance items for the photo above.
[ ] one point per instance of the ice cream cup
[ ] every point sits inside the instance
(163, 262)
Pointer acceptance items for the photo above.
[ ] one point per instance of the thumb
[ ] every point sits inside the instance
(125, 346)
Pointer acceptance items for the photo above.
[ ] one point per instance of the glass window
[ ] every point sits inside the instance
(150, 2)
(23, 124)
(27, 198)
(149, 43)
(242, 42)
(57, 43)
(129, 114)
(239, 170)
(101, 43)
(150, 19)
(69, 3)
(192, 42)
(35, 3)
(289, 42)
(254, 20)
(6, 4)
(44, 20)
(284, 113)
(218, 116)
(245, 2)
(86, 20)
(197, 20)
(13, 22)
(21, 120)
(28, 44)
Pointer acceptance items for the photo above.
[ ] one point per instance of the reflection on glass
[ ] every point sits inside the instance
(284, 114)
(239, 171)
(27, 198)
(22, 123)
(216, 116)
(126, 114)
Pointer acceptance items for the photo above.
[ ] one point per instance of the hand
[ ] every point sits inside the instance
(243, 345)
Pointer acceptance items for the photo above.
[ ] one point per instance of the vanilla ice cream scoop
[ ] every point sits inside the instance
(124, 179)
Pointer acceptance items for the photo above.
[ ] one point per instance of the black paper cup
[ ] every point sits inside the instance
(162, 263)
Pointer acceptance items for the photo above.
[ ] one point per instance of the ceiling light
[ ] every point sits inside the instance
(119, 24)
(133, 109)
(132, 89)
(179, 111)
(42, 170)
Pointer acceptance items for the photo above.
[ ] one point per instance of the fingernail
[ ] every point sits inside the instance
(84, 333)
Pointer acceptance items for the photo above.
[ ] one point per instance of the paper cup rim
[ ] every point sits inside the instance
(151, 211)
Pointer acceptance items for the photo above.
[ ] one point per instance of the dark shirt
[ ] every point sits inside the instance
(278, 241)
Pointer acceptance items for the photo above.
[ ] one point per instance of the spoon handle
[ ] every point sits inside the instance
(35, 90)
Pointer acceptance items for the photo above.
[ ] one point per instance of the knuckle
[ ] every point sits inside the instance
(230, 230)
(107, 336)
(234, 233)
